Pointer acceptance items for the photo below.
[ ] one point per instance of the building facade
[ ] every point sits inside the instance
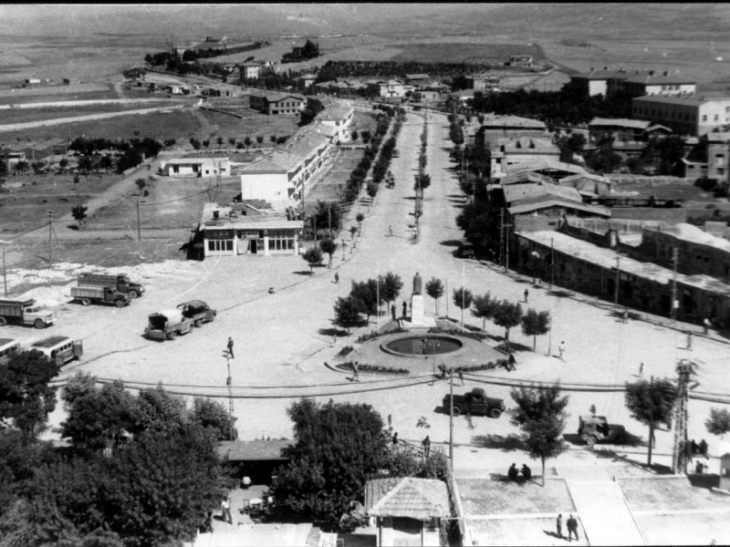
(276, 103)
(686, 115)
(196, 167)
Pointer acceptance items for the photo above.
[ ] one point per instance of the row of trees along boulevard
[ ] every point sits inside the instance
(365, 298)
(141, 470)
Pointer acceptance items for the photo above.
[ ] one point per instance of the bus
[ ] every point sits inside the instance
(60, 349)
(8, 347)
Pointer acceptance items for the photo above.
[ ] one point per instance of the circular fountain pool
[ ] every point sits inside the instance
(424, 345)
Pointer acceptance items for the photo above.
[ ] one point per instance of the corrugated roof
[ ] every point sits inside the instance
(515, 193)
(525, 177)
(693, 234)
(532, 145)
(527, 163)
(546, 203)
(619, 122)
(511, 121)
(259, 450)
(408, 497)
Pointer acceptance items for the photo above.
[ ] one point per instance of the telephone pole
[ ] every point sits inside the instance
(50, 232)
(451, 418)
(679, 453)
(5, 273)
(618, 280)
(675, 259)
(139, 230)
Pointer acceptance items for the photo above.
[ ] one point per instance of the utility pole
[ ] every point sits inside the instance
(329, 219)
(451, 418)
(552, 263)
(5, 273)
(229, 382)
(618, 280)
(139, 230)
(679, 454)
(50, 231)
(675, 259)
(501, 236)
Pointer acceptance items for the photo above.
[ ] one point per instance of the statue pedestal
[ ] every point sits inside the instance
(418, 307)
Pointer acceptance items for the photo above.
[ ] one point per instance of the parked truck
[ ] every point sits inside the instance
(198, 311)
(25, 312)
(593, 429)
(475, 403)
(119, 282)
(168, 324)
(100, 295)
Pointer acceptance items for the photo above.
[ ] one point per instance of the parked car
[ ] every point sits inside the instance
(197, 311)
(593, 429)
(167, 325)
(475, 403)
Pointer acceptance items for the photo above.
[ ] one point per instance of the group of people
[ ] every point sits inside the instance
(405, 311)
(571, 524)
(513, 473)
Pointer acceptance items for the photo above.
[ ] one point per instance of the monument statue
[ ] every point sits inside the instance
(417, 284)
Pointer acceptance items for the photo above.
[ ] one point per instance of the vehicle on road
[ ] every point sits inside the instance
(25, 312)
(8, 348)
(475, 403)
(60, 349)
(120, 282)
(465, 250)
(396, 153)
(198, 311)
(168, 325)
(100, 295)
(593, 429)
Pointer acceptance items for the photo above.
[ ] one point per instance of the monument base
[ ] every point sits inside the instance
(418, 308)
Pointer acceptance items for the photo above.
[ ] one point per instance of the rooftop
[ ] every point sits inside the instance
(407, 497)
(516, 193)
(528, 163)
(50, 341)
(657, 79)
(606, 258)
(693, 234)
(259, 450)
(602, 75)
(618, 122)
(492, 121)
(690, 100)
(530, 145)
(530, 206)
(233, 217)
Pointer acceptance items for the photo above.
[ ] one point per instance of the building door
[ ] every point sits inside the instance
(254, 246)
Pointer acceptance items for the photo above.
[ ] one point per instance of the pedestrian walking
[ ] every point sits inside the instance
(641, 369)
(689, 341)
(230, 346)
(706, 324)
(559, 526)
(405, 309)
(461, 377)
(561, 350)
(355, 374)
(390, 231)
(395, 439)
(226, 511)
(572, 528)
(527, 295)
(426, 447)
(392, 310)
(625, 316)
(337, 277)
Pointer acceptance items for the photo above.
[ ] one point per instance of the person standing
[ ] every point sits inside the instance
(355, 374)
(426, 447)
(337, 277)
(230, 346)
(392, 310)
(561, 350)
(572, 528)
(390, 231)
(527, 295)
(559, 526)
(226, 511)
(689, 340)
(395, 440)
(706, 324)
(405, 309)
(641, 370)
(461, 376)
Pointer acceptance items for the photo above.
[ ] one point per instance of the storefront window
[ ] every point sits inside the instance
(281, 240)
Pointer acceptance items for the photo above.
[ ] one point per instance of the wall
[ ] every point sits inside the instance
(528, 223)
(272, 188)
(668, 216)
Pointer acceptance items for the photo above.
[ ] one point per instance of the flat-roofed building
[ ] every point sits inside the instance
(658, 84)
(270, 102)
(196, 167)
(684, 114)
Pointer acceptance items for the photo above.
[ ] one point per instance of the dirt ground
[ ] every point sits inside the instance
(252, 125)
(50, 113)
(513, 497)
(522, 531)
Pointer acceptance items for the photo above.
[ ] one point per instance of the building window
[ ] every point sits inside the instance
(218, 245)
(281, 240)
(717, 117)
(704, 117)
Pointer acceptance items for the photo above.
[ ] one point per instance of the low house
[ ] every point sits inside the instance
(306, 81)
(510, 151)
(589, 186)
(520, 60)
(724, 455)
(338, 115)
(71, 81)
(426, 96)
(658, 84)
(389, 88)
(32, 81)
(246, 230)
(494, 126)
(257, 460)
(196, 167)
(250, 70)
(601, 82)
(408, 511)
(482, 82)
(271, 102)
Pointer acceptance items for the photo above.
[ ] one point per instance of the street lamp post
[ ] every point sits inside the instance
(5, 273)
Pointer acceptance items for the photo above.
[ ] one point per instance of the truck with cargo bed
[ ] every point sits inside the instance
(119, 282)
(475, 403)
(100, 295)
(168, 324)
(25, 312)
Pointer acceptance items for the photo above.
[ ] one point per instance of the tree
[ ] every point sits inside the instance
(259, 139)
(719, 422)
(313, 256)
(248, 142)
(21, 167)
(328, 246)
(141, 183)
(272, 138)
(219, 141)
(535, 324)
(85, 164)
(232, 141)
(462, 299)
(354, 135)
(365, 293)
(338, 447)
(390, 286)
(507, 315)
(359, 218)
(4, 168)
(195, 143)
(62, 164)
(79, 213)
(651, 403)
(435, 289)
(540, 413)
(213, 415)
(26, 398)
(347, 313)
(37, 167)
(484, 308)
(372, 189)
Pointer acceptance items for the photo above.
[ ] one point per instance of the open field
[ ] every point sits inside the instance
(179, 125)
(252, 125)
(17, 115)
(668, 494)
(44, 98)
(514, 497)
(455, 52)
(172, 203)
(27, 207)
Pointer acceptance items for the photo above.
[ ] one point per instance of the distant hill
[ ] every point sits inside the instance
(608, 20)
